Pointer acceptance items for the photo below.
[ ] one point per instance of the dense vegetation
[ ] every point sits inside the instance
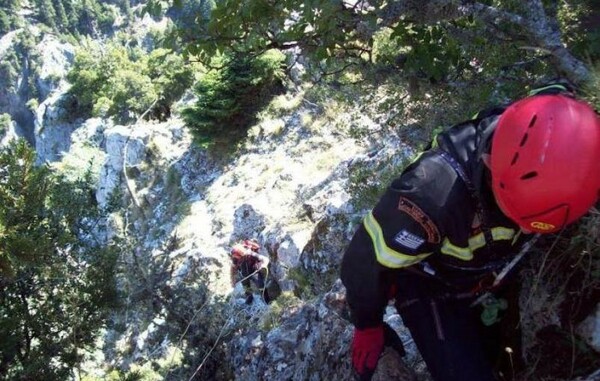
(5, 121)
(124, 83)
(56, 280)
(436, 39)
(22, 54)
(72, 17)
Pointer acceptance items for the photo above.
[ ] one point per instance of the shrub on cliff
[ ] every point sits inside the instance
(230, 96)
(124, 83)
(56, 284)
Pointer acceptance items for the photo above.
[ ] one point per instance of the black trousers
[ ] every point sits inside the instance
(258, 278)
(450, 335)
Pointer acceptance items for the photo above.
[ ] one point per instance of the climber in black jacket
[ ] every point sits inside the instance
(457, 216)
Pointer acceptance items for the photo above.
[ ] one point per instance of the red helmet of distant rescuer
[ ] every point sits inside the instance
(241, 249)
(545, 161)
(251, 244)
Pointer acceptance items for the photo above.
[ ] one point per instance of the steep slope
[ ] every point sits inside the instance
(287, 186)
(177, 209)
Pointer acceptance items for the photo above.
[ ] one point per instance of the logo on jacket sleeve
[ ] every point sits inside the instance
(408, 239)
(410, 208)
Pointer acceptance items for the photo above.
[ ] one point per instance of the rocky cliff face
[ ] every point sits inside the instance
(287, 188)
(34, 73)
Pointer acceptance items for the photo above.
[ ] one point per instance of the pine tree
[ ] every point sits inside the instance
(71, 15)
(61, 15)
(4, 22)
(55, 287)
(47, 13)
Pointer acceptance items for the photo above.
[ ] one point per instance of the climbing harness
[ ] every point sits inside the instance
(502, 274)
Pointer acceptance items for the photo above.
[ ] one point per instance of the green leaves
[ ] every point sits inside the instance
(124, 83)
(323, 28)
(153, 7)
(228, 98)
(430, 51)
(55, 284)
(76, 17)
(22, 196)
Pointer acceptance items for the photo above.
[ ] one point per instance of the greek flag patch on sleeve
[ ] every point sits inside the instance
(408, 239)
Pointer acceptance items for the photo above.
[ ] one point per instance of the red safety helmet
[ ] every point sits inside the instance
(238, 251)
(545, 161)
(252, 245)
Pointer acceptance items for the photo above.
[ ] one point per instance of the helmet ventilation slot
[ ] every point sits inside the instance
(532, 121)
(529, 175)
(515, 158)
(524, 140)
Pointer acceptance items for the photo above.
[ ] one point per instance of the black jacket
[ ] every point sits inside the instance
(439, 218)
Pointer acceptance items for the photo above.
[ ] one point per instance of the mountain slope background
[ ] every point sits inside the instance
(292, 151)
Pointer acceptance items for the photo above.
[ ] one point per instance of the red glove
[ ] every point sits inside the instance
(367, 345)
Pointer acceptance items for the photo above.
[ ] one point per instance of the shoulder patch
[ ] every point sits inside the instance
(408, 239)
(410, 208)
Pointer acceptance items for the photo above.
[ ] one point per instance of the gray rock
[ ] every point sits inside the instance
(589, 329)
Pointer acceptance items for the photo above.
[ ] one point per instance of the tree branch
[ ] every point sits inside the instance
(491, 15)
(545, 33)
(539, 29)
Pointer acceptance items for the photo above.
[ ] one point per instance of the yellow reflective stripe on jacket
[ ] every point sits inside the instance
(498, 234)
(387, 256)
(463, 253)
(475, 242)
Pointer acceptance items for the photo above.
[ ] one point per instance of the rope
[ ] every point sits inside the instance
(262, 290)
(221, 333)
(186, 329)
(223, 328)
(515, 260)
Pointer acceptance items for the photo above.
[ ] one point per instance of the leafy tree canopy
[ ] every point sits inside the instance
(126, 82)
(5, 122)
(329, 30)
(8, 16)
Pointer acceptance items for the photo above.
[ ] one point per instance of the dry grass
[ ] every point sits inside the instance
(561, 288)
